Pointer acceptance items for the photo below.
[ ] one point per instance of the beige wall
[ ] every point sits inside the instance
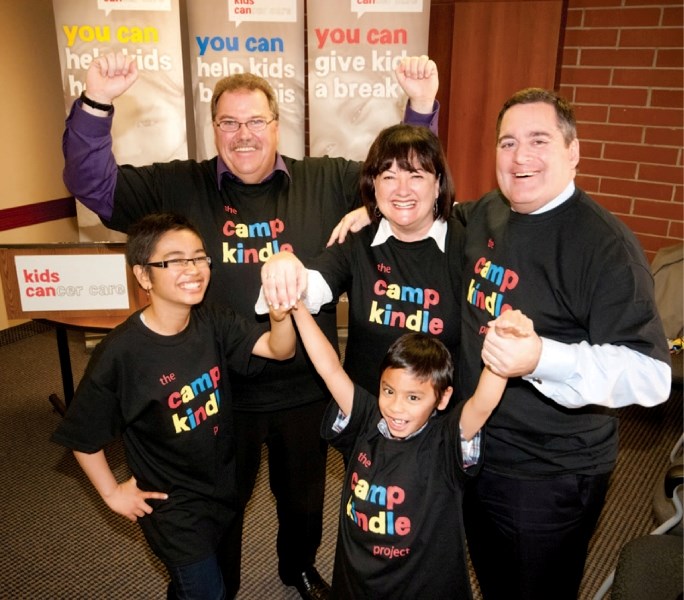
(31, 121)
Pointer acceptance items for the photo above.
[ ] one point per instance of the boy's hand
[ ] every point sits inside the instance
(511, 347)
(512, 323)
(130, 501)
(279, 314)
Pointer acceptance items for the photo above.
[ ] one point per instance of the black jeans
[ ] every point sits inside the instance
(201, 579)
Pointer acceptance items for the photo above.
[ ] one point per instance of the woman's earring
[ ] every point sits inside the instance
(377, 213)
(435, 209)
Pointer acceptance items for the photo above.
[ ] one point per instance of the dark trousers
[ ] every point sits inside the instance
(296, 470)
(528, 539)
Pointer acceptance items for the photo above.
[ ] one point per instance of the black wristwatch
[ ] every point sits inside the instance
(93, 104)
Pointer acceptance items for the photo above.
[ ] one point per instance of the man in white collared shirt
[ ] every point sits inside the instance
(541, 245)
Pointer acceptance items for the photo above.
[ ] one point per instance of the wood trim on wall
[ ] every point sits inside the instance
(40, 212)
(486, 51)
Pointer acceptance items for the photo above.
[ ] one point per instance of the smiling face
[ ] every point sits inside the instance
(534, 164)
(249, 155)
(407, 199)
(175, 287)
(407, 402)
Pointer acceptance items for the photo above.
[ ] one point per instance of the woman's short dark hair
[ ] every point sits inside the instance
(405, 144)
(144, 235)
(424, 357)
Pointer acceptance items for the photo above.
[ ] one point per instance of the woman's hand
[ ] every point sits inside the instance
(353, 221)
(283, 279)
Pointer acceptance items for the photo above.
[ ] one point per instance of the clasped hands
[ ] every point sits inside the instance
(284, 280)
(511, 347)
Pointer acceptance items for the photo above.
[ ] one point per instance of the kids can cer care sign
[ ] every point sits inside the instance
(72, 282)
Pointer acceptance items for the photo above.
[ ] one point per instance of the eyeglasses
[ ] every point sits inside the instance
(181, 263)
(231, 126)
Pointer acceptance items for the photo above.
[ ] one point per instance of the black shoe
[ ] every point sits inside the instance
(310, 585)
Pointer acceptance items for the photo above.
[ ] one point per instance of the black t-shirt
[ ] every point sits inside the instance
(394, 288)
(242, 225)
(401, 524)
(169, 398)
(580, 275)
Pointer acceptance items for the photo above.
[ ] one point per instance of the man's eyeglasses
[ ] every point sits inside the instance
(181, 263)
(231, 126)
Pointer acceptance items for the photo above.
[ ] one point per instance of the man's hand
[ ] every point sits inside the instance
(512, 323)
(109, 76)
(511, 347)
(418, 77)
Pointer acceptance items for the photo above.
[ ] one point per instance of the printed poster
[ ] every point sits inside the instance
(72, 282)
(353, 47)
(264, 37)
(149, 121)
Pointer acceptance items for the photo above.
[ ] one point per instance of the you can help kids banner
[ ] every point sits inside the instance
(353, 47)
(150, 117)
(264, 37)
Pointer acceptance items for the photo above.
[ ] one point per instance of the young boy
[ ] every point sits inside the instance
(159, 380)
(400, 528)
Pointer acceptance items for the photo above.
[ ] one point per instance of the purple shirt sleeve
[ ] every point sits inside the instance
(89, 166)
(431, 120)
(90, 170)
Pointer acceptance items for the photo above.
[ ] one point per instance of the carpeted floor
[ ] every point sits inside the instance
(58, 540)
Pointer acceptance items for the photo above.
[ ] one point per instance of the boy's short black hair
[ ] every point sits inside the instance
(425, 357)
(144, 235)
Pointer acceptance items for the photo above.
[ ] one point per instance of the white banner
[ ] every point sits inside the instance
(78, 282)
(264, 37)
(353, 48)
(149, 123)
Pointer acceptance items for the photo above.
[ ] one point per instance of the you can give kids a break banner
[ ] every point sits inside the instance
(353, 47)
(149, 124)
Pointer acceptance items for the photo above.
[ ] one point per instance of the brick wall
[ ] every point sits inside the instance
(622, 67)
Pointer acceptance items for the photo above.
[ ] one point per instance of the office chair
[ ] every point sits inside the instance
(650, 567)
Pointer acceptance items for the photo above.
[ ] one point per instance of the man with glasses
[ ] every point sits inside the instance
(249, 202)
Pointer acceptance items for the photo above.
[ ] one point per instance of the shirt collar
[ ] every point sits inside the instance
(222, 169)
(558, 200)
(437, 232)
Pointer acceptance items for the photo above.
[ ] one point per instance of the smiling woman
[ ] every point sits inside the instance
(408, 259)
